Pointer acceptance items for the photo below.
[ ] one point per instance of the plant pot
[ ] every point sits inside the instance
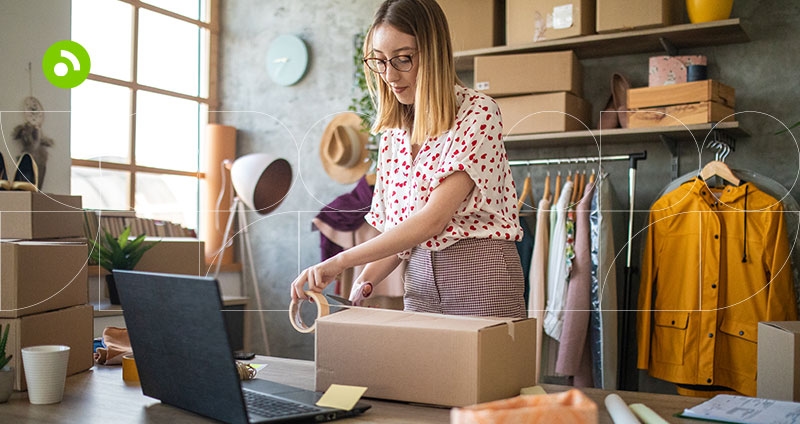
(708, 10)
(6, 383)
(113, 295)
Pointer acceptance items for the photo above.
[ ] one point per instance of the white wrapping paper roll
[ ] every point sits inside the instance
(619, 411)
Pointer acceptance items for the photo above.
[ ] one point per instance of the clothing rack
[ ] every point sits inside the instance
(626, 377)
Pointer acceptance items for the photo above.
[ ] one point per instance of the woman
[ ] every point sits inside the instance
(444, 198)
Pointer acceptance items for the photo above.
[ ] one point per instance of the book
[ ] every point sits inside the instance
(745, 410)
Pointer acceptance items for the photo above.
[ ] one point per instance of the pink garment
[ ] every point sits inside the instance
(538, 274)
(574, 357)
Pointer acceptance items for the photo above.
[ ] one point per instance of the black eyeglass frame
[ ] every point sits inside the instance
(382, 63)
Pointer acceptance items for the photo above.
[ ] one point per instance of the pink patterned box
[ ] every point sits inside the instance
(666, 70)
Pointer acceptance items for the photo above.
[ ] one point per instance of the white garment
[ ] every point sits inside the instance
(557, 269)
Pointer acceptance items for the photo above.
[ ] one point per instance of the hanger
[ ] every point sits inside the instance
(718, 168)
(546, 193)
(592, 177)
(526, 192)
(557, 193)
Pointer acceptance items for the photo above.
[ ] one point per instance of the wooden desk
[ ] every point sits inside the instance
(100, 396)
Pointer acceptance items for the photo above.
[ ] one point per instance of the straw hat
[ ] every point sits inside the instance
(343, 149)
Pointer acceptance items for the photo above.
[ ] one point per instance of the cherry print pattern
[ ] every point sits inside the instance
(475, 146)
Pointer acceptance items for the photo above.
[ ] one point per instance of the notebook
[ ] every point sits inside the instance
(178, 336)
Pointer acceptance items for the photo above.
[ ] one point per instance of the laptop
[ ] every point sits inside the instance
(177, 330)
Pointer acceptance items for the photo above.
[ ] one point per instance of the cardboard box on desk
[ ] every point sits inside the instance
(676, 94)
(528, 21)
(542, 113)
(517, 74)
(28, 215)
(174, 255)
(620, 15)
(779, 360)
(69, 326)
(425, 358)
(38, 276)
(475, 24)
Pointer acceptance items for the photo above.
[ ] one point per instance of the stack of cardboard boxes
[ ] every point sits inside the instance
(43, 281)
(536, 92)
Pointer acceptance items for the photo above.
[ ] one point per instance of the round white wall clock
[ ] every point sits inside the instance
(287, 59)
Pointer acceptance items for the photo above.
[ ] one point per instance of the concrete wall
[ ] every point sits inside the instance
(27, 29)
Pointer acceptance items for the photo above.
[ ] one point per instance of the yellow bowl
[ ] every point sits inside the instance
(708, 10)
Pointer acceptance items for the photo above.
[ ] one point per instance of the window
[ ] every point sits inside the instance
(137, 122)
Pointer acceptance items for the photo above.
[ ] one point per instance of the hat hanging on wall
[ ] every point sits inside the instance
(343, 149)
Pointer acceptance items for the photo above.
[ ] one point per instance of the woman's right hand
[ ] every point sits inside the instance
(318, 277)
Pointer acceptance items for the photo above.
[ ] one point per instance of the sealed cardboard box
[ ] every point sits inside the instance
(38, 276)
(28, 215)
(779, 360)
(475, 24)
(542, 113)
(174, 255)
(666, 70)
(516, 74)
(688, 92)
(528, 21)
(425, 358)
(620, 15)
(70, 327)
(686, 114)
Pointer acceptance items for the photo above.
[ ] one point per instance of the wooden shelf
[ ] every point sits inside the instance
(690, 133)
(682, 36)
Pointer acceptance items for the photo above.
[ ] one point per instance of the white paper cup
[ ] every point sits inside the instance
(45, 372)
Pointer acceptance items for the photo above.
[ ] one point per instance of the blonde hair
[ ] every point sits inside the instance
(434, 109)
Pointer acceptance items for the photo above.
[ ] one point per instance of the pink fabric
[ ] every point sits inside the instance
(574, 357)
(538, 274)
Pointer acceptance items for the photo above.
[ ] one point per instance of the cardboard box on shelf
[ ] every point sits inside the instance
(475, 24)
(676, 94)
(528, 21)
(542, 113)
(28, 215)
(779, 360)
(38, 276)
(70, 327)
(685, 114)
(620, 15)
(174, 255)
(425, 358)
(516, 74)
(667, 70)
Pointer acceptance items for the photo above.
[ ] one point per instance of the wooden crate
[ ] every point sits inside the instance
(683, 93)
(686, 114)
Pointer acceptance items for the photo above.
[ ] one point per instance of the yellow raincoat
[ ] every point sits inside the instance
(715, 263)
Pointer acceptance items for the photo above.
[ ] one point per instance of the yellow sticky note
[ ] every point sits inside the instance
(533, 390)
(341, 397)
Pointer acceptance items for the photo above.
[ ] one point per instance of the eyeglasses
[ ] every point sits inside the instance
(402, 63)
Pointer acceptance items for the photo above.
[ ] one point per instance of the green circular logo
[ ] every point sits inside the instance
(66, 64)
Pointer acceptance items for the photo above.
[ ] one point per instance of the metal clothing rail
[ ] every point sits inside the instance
(627, 377)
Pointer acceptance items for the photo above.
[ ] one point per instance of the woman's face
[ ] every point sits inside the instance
(390, 44)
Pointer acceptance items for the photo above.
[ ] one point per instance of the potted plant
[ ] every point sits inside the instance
(6, 371)
(118, 253)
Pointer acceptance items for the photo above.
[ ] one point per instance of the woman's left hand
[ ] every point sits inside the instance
(318, 277)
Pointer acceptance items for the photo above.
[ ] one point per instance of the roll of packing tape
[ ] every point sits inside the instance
(323, 308)
(129, 371)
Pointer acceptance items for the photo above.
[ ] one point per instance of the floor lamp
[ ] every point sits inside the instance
(260, 182)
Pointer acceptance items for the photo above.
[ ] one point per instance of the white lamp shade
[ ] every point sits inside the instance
(261, 181)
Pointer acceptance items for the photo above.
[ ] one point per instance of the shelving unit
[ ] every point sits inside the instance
(665, 39)
(670, 39)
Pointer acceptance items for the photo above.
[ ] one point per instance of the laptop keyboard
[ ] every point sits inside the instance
(267, 406)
